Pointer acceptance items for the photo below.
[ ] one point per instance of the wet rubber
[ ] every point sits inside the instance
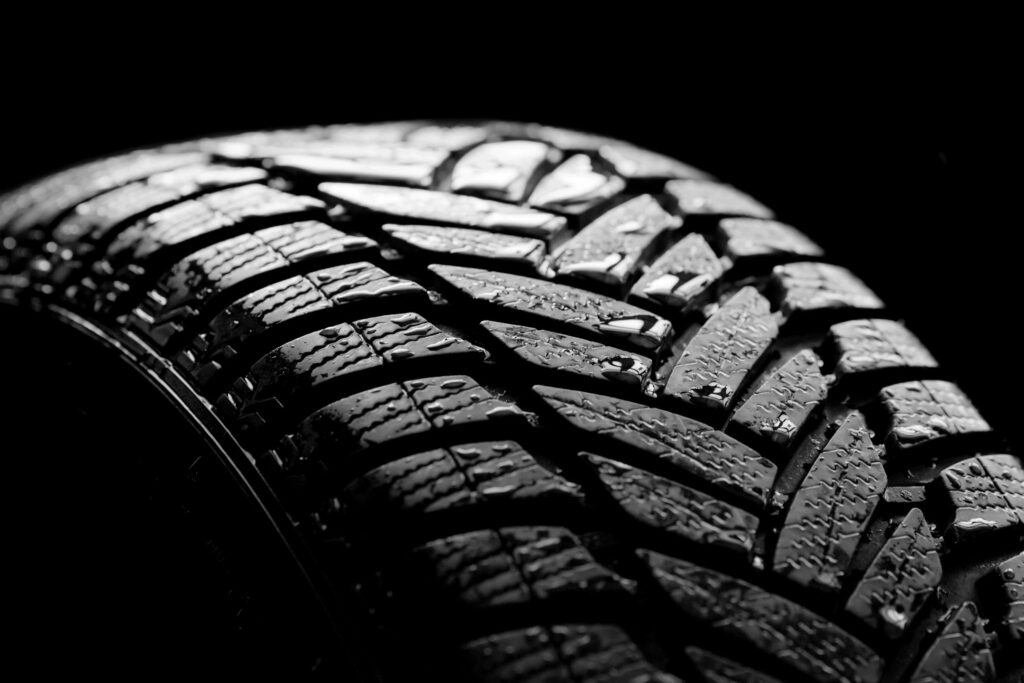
(526, 404)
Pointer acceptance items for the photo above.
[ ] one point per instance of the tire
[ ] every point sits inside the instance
(522, 404)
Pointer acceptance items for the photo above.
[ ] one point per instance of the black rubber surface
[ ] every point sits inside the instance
(526, 404)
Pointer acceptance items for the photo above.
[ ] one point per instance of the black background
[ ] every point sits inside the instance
(902, 182)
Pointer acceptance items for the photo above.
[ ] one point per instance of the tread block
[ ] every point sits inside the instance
(816, 287)
(479, 244)
(592, 313)
(168, 235)
(628, 160)
(867, 345)
(377, 158)
(612, 247)
(830, 511)
(679, 510)
(199, 216)
(960, 654)
(414, 205)
(769, 622)
(986, 493)
(681, 274)
(338, 351)
(707, 197)
(452, 137)
(40, 203)
(591, 653)
(502, 170)
(575, 186)
(900, 578)
(398, 494)
(286, 301)
(374, 417)
(403, 163)
(718, 669)
(1011, 576)
(924, 411)
(714, 364)
(778, 408)
(181, 294)
(94, 219)
(554, 351)
(640, 164)
(752, 238)
(509, 565)
(679, 442)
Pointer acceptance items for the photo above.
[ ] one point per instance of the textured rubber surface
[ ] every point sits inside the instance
(543, 406)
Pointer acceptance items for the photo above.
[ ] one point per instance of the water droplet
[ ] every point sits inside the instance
(647, 331)
(406, 319)
(433, 408)
(453, 384)
(330, 333)
(894, 615)
(443, 343)
(400, 353)
(631, 226)
(629, 369)
(913, 432)
(503, 411)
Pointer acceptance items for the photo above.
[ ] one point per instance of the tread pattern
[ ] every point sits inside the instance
(830, 511)
(398, 494)
(661, 503)
(335, 353)
(575, 186)
(960, 654)
(902, 576)
(598, 653)
(718, 669)
(681, 274)
(41, 203)
(531, 254)
(96, 218)
(695, 196)
(1011, 578)
(780, 406)
(590, 313)
(766, 621)
(184, 291)
(714, 364)
(869, 345)
(922, 412)
(401, 163)
(986, 493)
(502, 170)
(425, 205)
(158, 241)
(750, 238)
(609, 249)
(606, 452)
(377, 416)
(510, 565)
(819, 287)
(284, 302)
(681, 443)
(583, 358)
